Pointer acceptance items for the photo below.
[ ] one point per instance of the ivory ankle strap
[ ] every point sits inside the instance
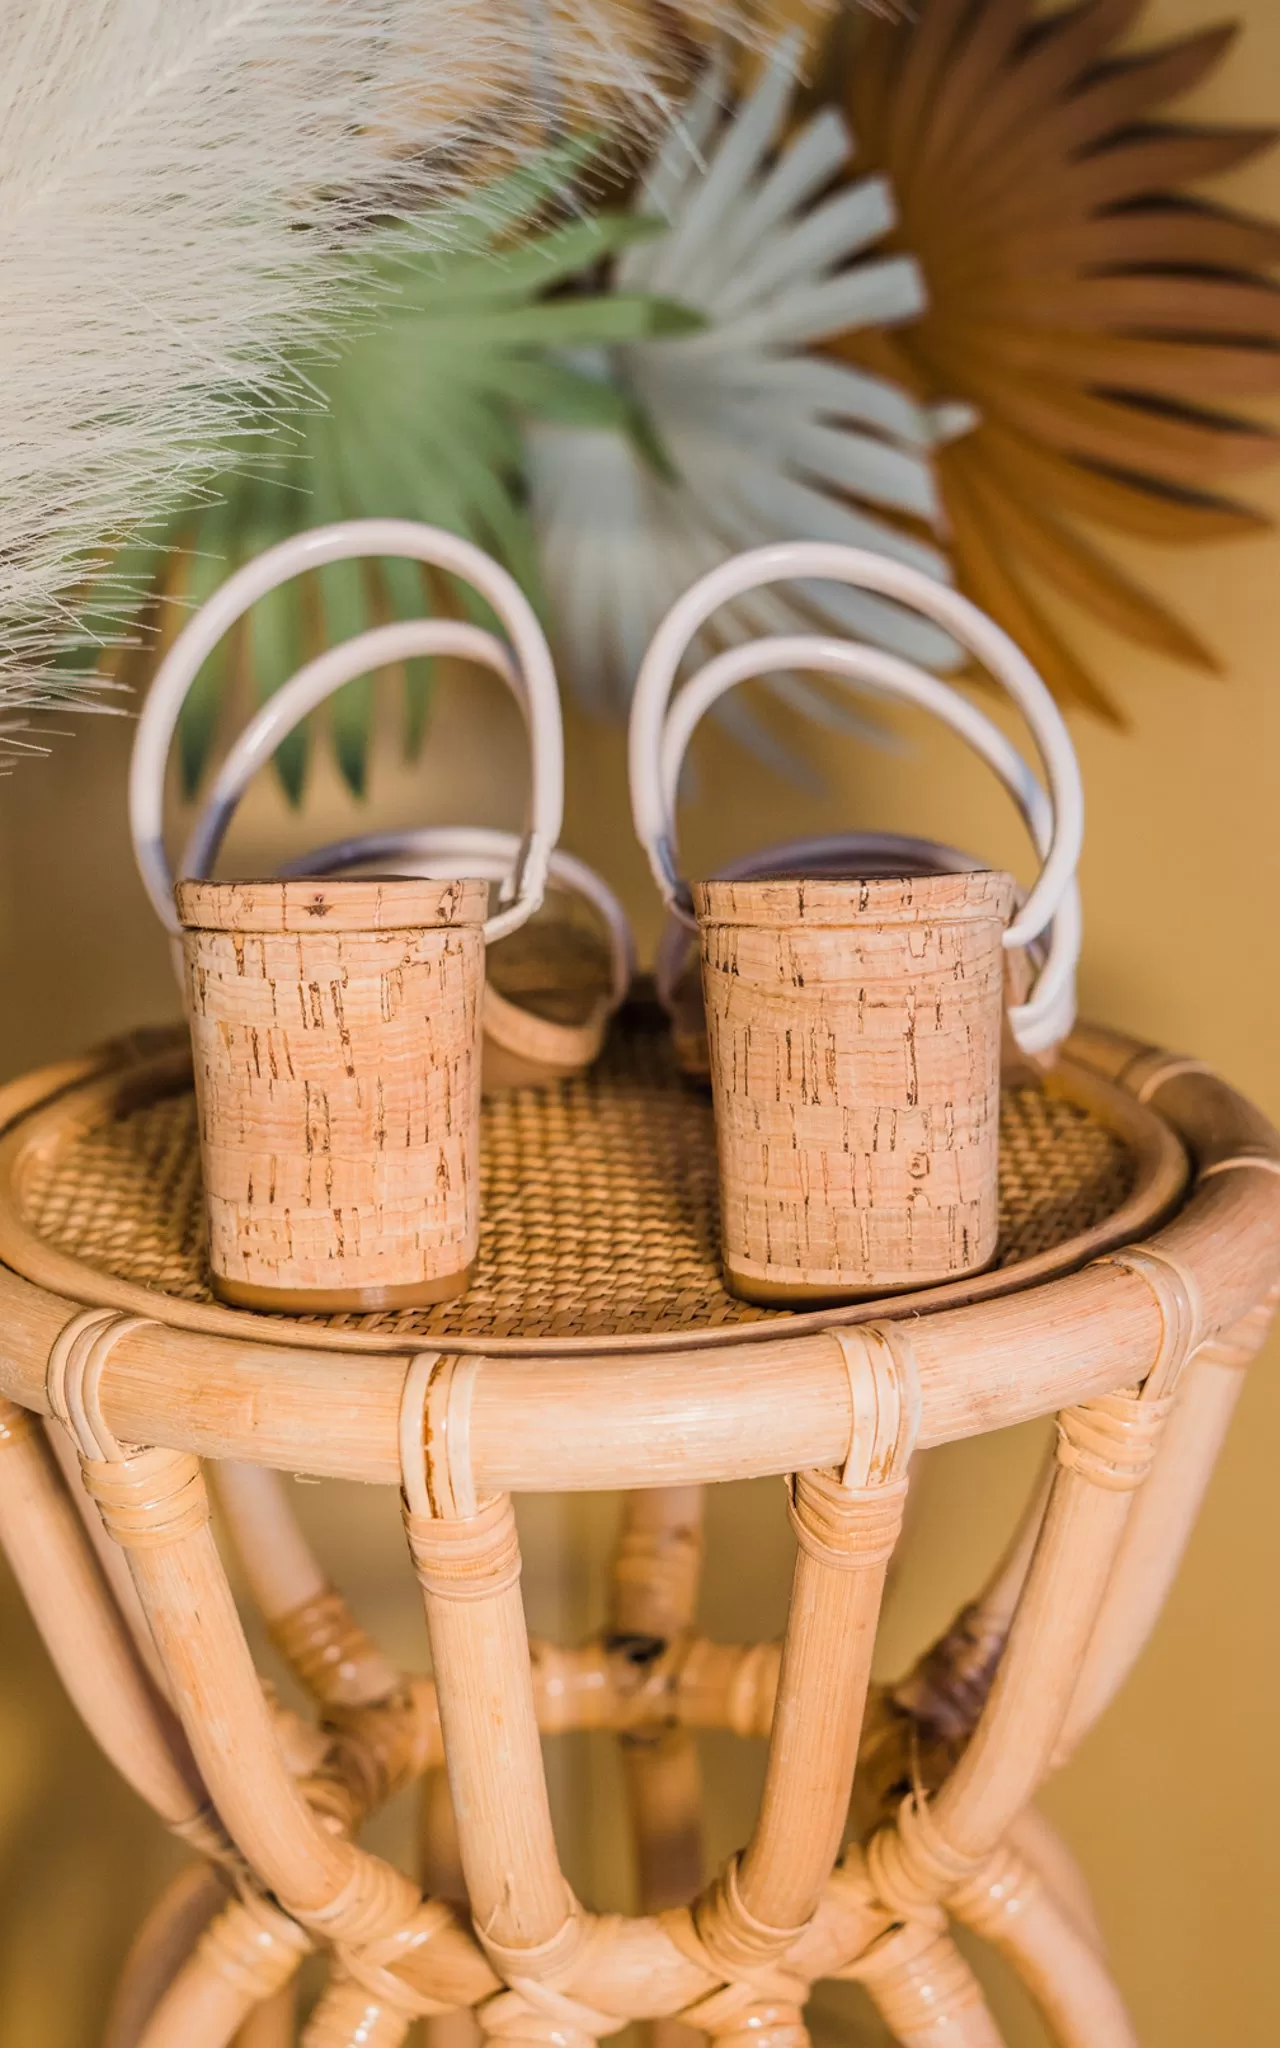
(530, 673)
(660, 732)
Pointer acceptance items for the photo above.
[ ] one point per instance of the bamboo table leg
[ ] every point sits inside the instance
(467, 1558)
(162, 1944)
(310, 1623)
(109, 1555)
(655, 1576)
(248, 1954)
(273, 2023)
(943, 1846)
(440, 1868)
(948, 1688)
(924, 1990)
(1163, 1518)
(155, 1504)
(1059, 1965)
(1042, 1849)
(92, 1650)
(349, 2017)
(846, 1525)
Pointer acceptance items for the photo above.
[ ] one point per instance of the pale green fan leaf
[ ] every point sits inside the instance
(610, 320)
(551, 391)
(198, 719)
(344, 602)
(421, 417)
(276, 644)
(533, 266)
(404, 588)
(506, 202)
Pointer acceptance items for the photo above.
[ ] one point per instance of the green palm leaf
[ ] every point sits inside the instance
(418, 417)
(207, 567)
(276, 650)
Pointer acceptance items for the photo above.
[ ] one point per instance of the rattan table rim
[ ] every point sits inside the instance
(768, 1400)
(1160, 1173)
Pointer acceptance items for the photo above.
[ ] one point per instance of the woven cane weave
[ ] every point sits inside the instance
(598, 1200)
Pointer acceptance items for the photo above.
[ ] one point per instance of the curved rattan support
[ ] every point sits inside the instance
(383, 1729)
(924, 1991)
(1046, 1855)
(1106, 1448)
(656, 1568)
(246, 1956)
(154, 1503)
(440, 1870)
(926, 1717)
(159, 1949)
(108, 1554)
(769, 2017)
(467, 1558)
(1162, 1519)
(347, 2017)
(1105, 1451)
(1008, 1905)
(845, 1528)
(376, 1967)
(743, 1926)
(1235, 1353)
(466, 1553)
(653, 1603)
(332, 1656)
(948, 1687)
(273, 2023)
(90, 1647)
(310, 1623)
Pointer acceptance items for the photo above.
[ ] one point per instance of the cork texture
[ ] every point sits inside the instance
(337, 1072)
(854, 1031)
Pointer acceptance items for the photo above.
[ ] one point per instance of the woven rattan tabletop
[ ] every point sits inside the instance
(599, 1206)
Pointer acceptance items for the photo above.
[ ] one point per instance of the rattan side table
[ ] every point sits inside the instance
(1140, 1243)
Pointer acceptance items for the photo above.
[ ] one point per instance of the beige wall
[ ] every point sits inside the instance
(1174, 1804)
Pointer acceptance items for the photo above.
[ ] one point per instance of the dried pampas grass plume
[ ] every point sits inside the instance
(176, 180)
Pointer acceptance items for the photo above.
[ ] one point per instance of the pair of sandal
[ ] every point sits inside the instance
(550, 995)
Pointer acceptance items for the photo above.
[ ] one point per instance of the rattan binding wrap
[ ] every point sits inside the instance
(598, 1197)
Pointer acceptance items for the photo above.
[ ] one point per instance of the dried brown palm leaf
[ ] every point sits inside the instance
(1104, 323)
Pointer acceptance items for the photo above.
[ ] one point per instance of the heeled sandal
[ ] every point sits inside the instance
(337, 1023)
(549, 993)
(851, 1173)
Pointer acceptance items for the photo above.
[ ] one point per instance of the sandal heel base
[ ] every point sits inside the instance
(765, 1289)
(334, 1301)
